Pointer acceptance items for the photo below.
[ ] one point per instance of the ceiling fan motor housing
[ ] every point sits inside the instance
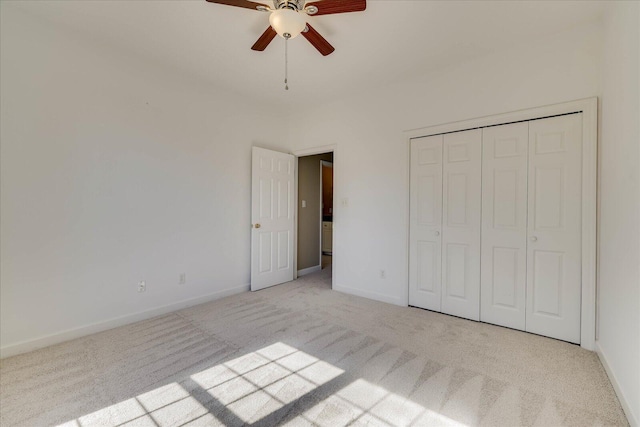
(289, 4)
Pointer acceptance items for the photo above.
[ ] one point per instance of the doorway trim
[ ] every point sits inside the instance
(321, 149)
(589, 109)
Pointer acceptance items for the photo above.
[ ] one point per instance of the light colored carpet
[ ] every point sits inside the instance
(301, 354)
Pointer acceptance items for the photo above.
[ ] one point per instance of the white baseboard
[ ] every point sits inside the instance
(69, 334)
(633, 421)
(370, 295)
(309, 270)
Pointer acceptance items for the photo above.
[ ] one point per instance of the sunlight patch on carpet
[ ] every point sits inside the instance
(257, 385)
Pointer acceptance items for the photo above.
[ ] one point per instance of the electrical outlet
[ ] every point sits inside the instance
(304, 203)
(142, 286)
(183, 279)
(383, 274)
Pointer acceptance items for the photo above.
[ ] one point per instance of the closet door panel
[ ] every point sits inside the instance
(554, 227)
(504, 225)
(425, 223)
(461, 224)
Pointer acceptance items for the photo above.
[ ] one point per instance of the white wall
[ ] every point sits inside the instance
(370, 233)
(619, 233)
(114, 170)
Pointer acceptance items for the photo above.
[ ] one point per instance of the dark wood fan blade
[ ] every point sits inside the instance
(318, 41)
(264, 39)
(326, 7)
(238, 3)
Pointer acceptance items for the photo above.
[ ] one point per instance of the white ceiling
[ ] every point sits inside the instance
(390, 41)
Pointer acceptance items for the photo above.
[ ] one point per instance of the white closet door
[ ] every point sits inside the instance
(504, 225)
(461, 223)
(554, 227)
(425, 222)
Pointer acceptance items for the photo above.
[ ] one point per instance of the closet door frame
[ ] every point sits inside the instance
(589, 109)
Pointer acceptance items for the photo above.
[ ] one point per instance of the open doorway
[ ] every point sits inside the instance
(326, 208)
(315, 213)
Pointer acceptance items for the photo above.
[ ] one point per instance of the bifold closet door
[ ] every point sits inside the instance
(504, 224)
(425, 222)
(461, 225)
(555, 227)
(519, 187)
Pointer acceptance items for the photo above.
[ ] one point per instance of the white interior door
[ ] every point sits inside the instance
(554, 227)
(462, 166)
(272, 218)
(504, 225)
(425, 222)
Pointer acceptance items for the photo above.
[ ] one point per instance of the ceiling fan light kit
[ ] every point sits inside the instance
(287, 23)
(289, 18)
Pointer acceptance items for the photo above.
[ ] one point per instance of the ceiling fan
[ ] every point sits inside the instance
(289, 19)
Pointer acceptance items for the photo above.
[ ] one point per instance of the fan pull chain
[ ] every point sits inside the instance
(286, 63)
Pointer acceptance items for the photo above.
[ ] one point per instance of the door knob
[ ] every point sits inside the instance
(257, 226)
(533, 238)
(437, 233)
